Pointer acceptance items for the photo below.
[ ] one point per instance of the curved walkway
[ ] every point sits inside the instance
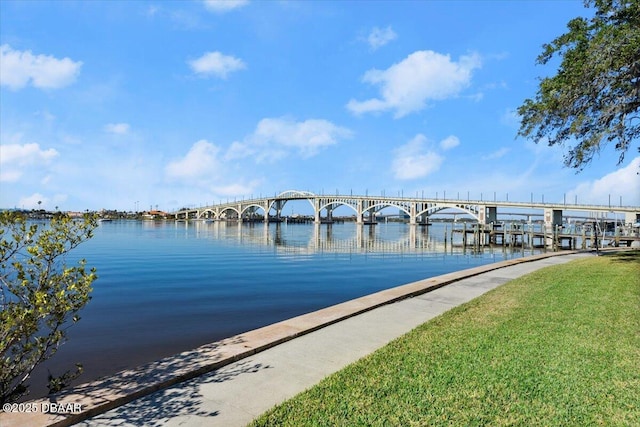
(231, 382)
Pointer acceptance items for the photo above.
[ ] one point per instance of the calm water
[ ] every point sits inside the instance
(168, 287)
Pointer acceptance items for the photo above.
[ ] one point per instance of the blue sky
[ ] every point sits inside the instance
(123, 104)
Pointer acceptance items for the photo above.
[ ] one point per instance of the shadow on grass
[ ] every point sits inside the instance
(626, 256)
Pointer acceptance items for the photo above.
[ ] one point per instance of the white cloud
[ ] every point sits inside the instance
(31, 202)
(273, 138)
(623, 182)
(449, 142)
(187, 20)
(236, 188)
(14, 158)
(380, 37)
(19, 69)
(201, 161)
(216, 64)
(204, 169)
(307, 137)
(496, 154)
(10, 175)
(25, 154)
(239, 150)
(117, 128)
(222, 6)
(47, 116)
(216, 171)
(423, 76)
(415, 160)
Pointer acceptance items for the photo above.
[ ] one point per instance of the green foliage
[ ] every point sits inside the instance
(594, 98)
(40, 296)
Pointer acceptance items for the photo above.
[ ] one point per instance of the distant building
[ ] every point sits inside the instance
(154, 214)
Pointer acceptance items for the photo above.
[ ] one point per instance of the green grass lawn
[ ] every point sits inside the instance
(559, 347)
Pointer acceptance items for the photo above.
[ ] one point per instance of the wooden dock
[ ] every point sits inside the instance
(519, 235)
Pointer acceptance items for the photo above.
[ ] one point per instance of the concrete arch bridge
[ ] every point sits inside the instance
(365, 208)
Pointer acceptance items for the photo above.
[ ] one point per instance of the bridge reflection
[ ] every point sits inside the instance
(350, 237)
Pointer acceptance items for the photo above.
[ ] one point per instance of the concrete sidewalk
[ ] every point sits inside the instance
(231, 382)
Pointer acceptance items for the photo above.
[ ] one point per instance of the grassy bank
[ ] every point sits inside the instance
(558, 347)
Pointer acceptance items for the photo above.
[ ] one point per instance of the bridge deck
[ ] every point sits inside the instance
(416, 209)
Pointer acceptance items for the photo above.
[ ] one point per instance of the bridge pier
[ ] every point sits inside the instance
(412, 214)
(265, 208)
(330, 212)
(487, 214)
(239, 207)
(552, 218)
(371, 218)
(316, 209)
(631, 218)
(363, 206)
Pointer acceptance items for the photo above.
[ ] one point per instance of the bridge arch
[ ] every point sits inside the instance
(222, 213)
(386, 204)
(204, 212)
(297, 194)
(437, 208)
(279, 204)
(254, 205)
(340, 203)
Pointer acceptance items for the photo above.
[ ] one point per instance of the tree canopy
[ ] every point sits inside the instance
(594, 98)
(40, 296)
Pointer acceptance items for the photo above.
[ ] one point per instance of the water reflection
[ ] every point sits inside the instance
(166, 287)
(349, 237)
(318, 238)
